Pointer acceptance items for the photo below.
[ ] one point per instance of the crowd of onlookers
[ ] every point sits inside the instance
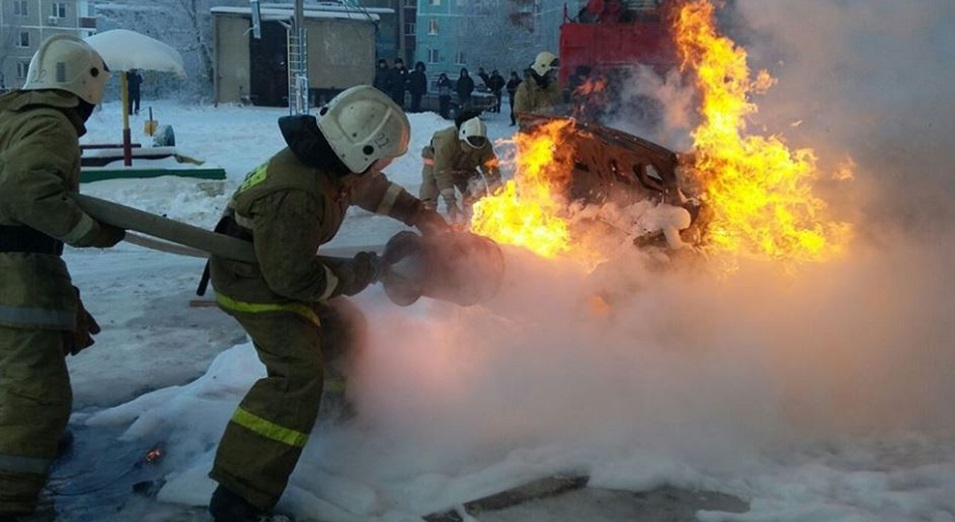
(396, 80)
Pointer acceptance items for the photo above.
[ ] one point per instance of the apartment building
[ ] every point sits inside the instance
(24, 24)
(396, 32)
(494, 34)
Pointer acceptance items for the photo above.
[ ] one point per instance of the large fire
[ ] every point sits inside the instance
(527, 211)
(759, 191)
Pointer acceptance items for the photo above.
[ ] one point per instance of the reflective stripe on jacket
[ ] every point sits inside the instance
(232, 305)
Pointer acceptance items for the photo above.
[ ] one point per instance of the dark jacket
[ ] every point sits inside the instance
(397, 82)
(496, 83)
(134, 80)
(382, 75)
(417, 80)
(465, 87)
(512, 86)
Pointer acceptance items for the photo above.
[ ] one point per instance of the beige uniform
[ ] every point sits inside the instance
(39, 168)
(288, 210)
(450, 164)
(531, 97)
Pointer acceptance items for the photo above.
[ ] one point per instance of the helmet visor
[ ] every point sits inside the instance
(476, 141)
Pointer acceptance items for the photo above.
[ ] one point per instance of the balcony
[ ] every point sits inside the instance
(87, 23)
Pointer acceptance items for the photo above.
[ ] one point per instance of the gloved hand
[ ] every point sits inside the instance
(429, 222)
(453, 209)
(355, 274)
(451, 203)
(86, 327)
(106, 235)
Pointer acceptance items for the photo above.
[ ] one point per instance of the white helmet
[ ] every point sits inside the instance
(67, 63)
(544, 63)
(363, 125)
(473, 132)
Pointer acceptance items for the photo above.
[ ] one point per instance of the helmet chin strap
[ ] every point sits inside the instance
(85, 110)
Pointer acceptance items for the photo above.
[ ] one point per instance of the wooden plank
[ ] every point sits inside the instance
(91, 175)
(97, 146)
(539, 489)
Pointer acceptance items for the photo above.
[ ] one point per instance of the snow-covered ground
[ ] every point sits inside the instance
(821, 397)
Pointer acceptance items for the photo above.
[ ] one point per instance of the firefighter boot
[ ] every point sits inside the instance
(226, 506)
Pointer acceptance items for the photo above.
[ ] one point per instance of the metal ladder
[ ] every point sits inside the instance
(297, 71)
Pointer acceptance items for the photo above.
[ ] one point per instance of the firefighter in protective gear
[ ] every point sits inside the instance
(456, 158)
(539, 91)
(41, 317)
(289, 207)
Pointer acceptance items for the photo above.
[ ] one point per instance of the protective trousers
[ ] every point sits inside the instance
(35, 404)
(265, 437)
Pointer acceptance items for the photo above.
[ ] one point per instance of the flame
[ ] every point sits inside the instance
(591, 86)
(527, 211)
(760, 191)
(153, 455)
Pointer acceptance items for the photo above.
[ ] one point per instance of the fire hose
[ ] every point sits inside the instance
(458, 267)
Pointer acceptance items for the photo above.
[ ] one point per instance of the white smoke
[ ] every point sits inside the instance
(712, 370)
(872, 79)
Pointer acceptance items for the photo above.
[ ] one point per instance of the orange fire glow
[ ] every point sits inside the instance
(527, 211)
(759, 190)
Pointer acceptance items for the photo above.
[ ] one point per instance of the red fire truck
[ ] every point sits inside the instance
(607, 36)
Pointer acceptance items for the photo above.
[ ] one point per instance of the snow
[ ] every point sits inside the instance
(286, 14)
(123, 50)
(824, 396)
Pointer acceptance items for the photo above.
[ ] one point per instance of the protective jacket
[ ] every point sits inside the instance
(39, 168)
(289, 209)
(532, 97)
(454, 164)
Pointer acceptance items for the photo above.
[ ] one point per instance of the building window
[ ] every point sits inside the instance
(434, 2)
(410, 28)
(433, 56)
(20, 8)
(433, 26)
(22, 69)
(459, 58)
(461, 3)
(24, 39)
(410, 3)
(59, 10)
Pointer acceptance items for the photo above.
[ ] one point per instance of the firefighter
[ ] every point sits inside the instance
(288, 207)
(540, 91)
(456, 158)
(41, 316)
